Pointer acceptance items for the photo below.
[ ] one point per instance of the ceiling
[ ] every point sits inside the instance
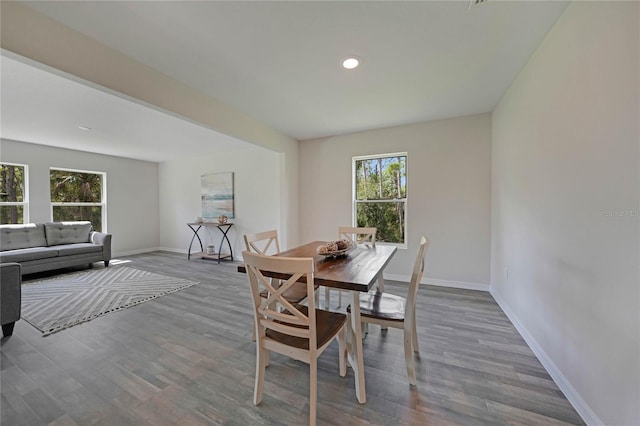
(280, 63)
(44, 107)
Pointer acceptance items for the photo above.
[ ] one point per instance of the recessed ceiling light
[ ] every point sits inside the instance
(85, 128)
(351, 63)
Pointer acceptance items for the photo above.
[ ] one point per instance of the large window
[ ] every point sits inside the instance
(78, 195)
(13, 194)
(380, 195)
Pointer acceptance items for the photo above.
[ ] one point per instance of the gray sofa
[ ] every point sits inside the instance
(10, 296)
(41, 247)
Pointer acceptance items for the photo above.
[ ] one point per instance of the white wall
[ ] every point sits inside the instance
(449, 193)
(565, 208)
(28, 33)
(132, 190)
(258, 198)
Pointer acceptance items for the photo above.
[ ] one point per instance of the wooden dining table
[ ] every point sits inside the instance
(358, 271)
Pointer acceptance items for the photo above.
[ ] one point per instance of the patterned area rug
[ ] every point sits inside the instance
(57, 303)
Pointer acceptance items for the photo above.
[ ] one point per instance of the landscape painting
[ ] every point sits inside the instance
(217, 195)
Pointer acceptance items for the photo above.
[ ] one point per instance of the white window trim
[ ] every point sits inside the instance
(25, 202)
(354, 202)
(103, 195)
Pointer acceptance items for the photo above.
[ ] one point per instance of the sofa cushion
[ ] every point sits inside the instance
(14, 237)
(80, 248)
(67, 232)
(26, 254)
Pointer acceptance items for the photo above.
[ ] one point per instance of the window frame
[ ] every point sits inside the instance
(103, 195)
(25, 192)
(405, 200)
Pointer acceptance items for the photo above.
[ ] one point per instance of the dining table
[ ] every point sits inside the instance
(357, 270)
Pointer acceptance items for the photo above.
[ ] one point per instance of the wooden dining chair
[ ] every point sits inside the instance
(356, 235)
(300, 332)
(388, 310)
(266, 243)
(263, 242)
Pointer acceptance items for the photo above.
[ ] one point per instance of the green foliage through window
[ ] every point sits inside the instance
(381, 195)
(12, 193)
(77, 196)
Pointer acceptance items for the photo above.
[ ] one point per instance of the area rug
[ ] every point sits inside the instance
(53, 304)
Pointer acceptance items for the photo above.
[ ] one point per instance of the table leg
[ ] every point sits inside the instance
(195, 235)
(381, 290)
(225, 238)
(354, 347)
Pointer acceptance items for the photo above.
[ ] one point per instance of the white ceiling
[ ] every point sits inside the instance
(45, 108)
(280, 61)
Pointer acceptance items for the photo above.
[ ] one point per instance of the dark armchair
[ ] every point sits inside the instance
(10, 296)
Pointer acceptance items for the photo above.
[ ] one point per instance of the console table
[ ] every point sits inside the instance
(223, 228)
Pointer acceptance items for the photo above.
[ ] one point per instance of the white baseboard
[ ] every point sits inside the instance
(173, 250)
(132, 252)
(441, 283)
(583, 409)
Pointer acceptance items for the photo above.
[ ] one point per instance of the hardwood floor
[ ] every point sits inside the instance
(187, 359)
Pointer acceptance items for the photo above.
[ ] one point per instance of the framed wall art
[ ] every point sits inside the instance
(217, 196)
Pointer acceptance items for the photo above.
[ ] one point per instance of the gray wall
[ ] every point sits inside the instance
(449, 193)
(565, 208)
(258, 198)
(132, 190)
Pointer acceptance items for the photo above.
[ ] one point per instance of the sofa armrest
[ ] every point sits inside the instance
(104, 240)
(10, 292)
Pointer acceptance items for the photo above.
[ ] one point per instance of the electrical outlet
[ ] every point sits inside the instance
(506, 274)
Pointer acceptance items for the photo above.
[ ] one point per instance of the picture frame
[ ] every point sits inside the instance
(217, 196)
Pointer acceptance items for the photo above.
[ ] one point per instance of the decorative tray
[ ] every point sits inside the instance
(329, 249)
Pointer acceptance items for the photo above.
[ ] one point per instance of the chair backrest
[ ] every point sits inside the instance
(263, 242)
(416, 277)
(357, 235)
(293, 320)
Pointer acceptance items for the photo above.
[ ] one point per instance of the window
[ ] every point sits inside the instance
(78, 195)
(380, 195)
(13, 194)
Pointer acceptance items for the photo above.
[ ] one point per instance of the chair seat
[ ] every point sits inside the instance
(328, 324)
(382, 305)
(294, 294)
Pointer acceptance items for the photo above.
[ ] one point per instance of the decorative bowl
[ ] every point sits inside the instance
(324, 250)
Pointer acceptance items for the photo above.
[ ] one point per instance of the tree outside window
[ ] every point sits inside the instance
(380, 195)
(78, 195)
(13, 198)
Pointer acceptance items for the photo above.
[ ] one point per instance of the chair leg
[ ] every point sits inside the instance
(7, 329)
(327, 296)
(383, 329)
(342, 353)
(416, 349)
(339, 298)
(408, 355)
(313, 389)
(316, 298)
(261, 361)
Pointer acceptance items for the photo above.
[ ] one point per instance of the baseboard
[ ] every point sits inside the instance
(583, 409)
(172, 250)
(441, 283)
(132, 252)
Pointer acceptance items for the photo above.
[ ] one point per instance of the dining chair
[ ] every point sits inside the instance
(300, 332)
(355, 235)
(266, 243)
(388, 310)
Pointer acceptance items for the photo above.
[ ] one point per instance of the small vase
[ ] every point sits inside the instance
(222, 219)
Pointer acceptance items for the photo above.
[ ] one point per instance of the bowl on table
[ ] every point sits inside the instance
(335, 248)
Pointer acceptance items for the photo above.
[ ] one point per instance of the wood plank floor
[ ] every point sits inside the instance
(187, 359)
